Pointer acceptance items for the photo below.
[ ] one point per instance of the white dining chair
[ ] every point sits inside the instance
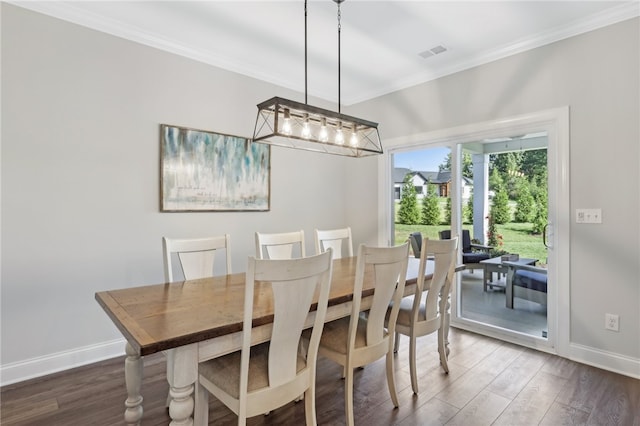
(425, 311)
(279, 245)
(360, 338)
(196, 256)
(337, 239)
(262, 378)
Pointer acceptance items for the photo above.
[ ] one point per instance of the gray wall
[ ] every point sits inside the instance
(597, 75)
(80, 172)
(80, 151)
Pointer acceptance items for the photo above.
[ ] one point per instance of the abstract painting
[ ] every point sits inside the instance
(206, 171)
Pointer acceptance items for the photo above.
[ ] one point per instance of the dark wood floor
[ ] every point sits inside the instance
(490, 383)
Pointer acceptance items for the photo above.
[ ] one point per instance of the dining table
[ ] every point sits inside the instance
(196, 320)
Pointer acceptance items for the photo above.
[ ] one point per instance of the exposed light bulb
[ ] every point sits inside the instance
(354, 138)
(306, 130)
(324, 134)
(286, 125)
(339, 135)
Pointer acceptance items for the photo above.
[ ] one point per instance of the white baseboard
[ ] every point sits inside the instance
(41, 366)
(610, 361)
(599, 358)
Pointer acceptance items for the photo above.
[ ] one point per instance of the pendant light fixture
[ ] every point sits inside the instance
(292, 124)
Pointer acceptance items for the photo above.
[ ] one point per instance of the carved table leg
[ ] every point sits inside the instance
(182, 384)
(445, 306)
(447, 321)
(133, 379)
(443, 332)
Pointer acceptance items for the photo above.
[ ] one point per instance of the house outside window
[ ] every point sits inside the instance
(421, 180)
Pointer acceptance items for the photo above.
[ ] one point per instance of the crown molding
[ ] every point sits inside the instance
(609, 17)
(67, 11)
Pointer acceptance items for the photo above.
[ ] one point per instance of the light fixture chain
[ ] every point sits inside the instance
(305, 51)
(339, 30)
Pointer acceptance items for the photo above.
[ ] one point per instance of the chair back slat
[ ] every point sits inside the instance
(335, 239)
(195, 256)
(389, 273)
(280, 245)
(196, 265)
(292, 300)
(294, 283)
(444, 258)
(386, 276)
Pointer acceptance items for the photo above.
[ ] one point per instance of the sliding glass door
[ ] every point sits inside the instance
(503, 189)
(503, 209)
(506, 217)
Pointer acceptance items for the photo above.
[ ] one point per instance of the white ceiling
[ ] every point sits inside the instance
(381, 41)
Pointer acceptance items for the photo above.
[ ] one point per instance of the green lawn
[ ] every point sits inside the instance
(516, 237)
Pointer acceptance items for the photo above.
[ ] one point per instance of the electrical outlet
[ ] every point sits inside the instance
(611, 322)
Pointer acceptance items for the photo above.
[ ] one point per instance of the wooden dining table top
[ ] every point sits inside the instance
(159, 317)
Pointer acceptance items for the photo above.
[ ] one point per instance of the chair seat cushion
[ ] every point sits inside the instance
(406, 310)
(224, 371)
(335, 333)
(474, 257)
(531, 280)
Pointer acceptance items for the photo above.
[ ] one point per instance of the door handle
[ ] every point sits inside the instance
(544, 235)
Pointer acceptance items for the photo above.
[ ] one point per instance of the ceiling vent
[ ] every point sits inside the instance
(433, 51)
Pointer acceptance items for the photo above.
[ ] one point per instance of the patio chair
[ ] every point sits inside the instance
(472, 253)
(526, 282)
(415, 239)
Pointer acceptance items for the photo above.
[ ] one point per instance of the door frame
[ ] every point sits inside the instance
(555, 122)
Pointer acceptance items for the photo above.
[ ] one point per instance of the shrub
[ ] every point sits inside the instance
(541, 196)
(431, 208)
(525, 204)
(409, 213)
(469, 210)
(540, 219)
(447, 211)
(500, 207)
(493, 238)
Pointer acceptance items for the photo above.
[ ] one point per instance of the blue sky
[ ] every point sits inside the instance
(426, 160)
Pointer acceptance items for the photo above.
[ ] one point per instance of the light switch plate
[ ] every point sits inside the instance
(588, 215)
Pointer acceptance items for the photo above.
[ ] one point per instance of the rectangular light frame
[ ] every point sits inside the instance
(270, 129)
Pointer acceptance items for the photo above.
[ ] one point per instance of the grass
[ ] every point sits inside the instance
(516, 237)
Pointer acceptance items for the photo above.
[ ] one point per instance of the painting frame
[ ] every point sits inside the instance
(205, 171)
